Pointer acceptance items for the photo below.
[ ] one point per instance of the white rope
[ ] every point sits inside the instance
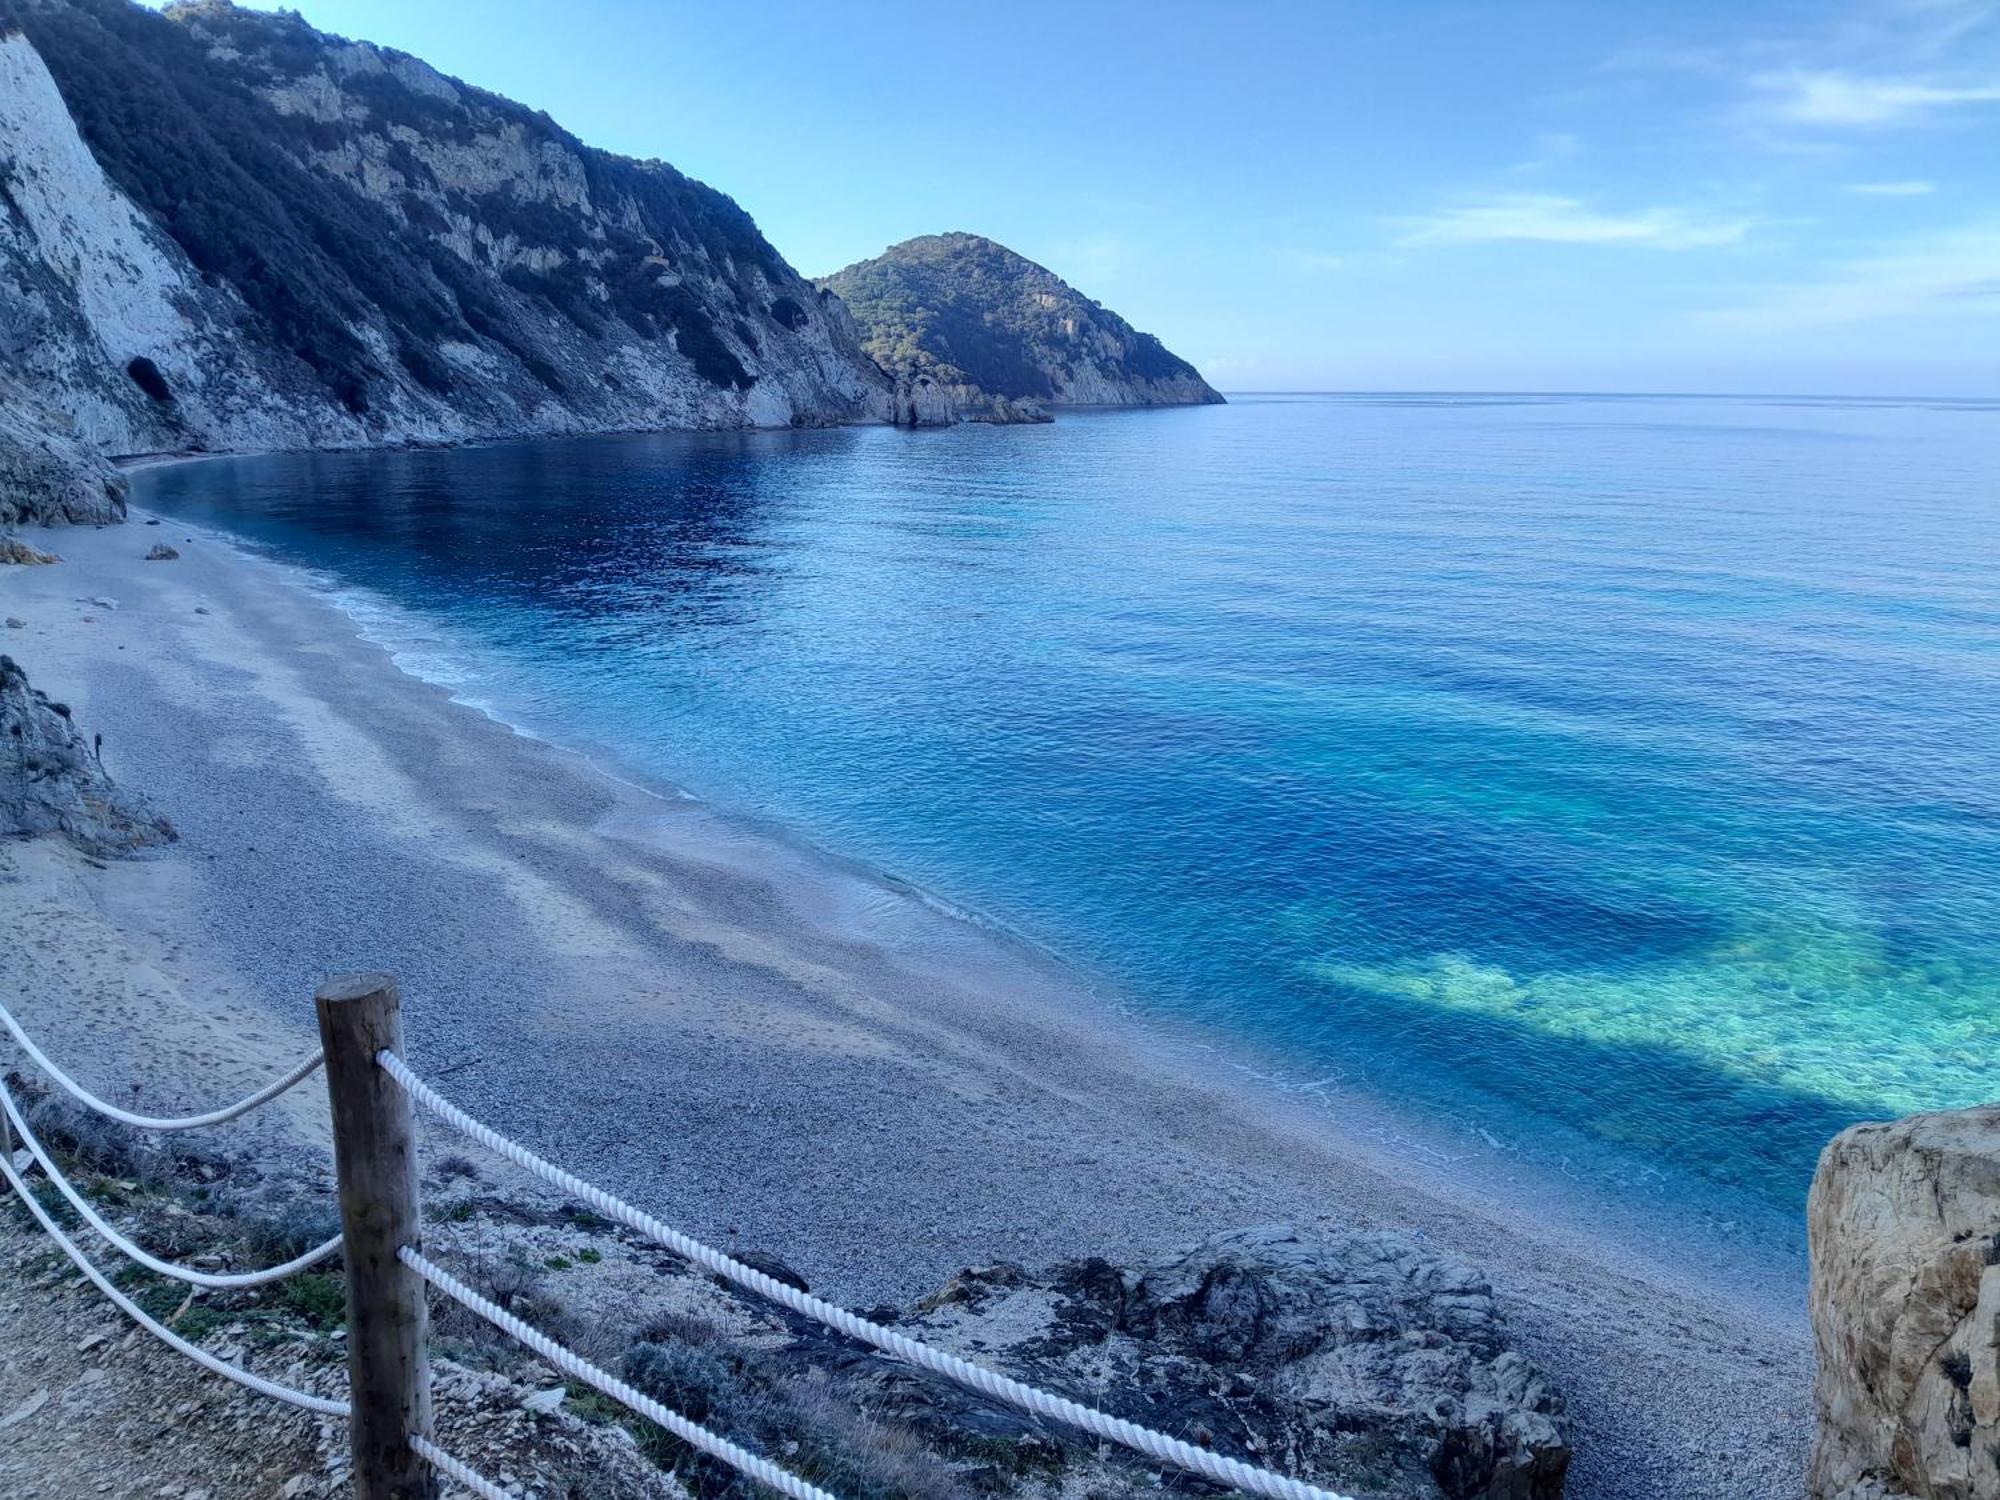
(453, 1469)
(157, 1329)
(82, 1095)
(740, 1459)
(1155, 1445)
(118, 1241)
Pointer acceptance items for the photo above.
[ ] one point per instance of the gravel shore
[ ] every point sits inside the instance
(764, 1044)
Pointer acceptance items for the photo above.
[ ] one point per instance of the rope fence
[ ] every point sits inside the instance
(374, 1096)
(458, 1471)
(1155, 1445)
(152, 1325)
(578, 1368)
(90, 1216)
(110, 1111)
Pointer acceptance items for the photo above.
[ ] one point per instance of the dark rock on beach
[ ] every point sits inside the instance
(51, 781)
(1359, 1362)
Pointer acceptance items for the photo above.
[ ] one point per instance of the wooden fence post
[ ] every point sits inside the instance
(388, 1315)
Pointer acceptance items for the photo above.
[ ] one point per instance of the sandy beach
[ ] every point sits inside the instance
(769, 1046)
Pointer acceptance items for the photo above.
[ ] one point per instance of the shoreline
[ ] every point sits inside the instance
(720, 995)
(1575, 1179)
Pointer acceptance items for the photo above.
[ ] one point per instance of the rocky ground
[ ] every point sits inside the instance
(1361, 1358)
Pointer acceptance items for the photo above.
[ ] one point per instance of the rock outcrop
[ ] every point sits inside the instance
(971, 331)
(223, 229)
(1905, 1232)
(45, 479)
(17, 553)
(51, 781)
(1358, 1361)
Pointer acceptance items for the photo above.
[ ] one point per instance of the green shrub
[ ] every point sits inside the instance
(318, 1297)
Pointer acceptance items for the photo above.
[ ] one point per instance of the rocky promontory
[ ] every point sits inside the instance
(997, 338)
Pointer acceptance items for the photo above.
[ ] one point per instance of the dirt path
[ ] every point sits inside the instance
(91, 1405)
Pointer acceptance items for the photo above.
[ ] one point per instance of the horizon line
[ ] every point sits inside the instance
(1628, 394)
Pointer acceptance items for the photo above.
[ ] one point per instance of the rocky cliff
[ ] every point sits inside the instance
(1905, 1231)
(1000, 338)
(220, 228)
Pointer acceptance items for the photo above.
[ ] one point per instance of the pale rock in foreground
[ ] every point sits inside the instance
(1905, 1230)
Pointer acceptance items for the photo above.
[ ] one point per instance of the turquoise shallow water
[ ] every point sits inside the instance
(1629, 764)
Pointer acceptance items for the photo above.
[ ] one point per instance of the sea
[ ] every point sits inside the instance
(1614, 767)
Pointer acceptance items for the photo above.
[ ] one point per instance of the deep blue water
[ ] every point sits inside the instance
(1627, 762)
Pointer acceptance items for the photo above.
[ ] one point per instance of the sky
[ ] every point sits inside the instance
(1752, 196)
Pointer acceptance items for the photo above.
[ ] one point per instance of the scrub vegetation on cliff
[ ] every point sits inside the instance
(417, 243)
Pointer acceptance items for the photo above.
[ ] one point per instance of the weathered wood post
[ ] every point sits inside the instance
(388, 1317)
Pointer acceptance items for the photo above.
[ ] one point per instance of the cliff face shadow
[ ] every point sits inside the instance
(572, 527)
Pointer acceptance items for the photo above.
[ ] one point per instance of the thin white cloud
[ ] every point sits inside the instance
(1928, 29)
(1855, 66)
(1551, 219)
(1831, 98)
(1955, 273)
(1552, 149)
(1915, 187)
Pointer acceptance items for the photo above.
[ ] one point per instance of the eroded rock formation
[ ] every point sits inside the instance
(51, 781)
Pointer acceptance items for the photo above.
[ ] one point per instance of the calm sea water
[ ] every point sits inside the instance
(1632, 763)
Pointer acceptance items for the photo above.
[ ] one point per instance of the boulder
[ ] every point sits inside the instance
(15, 551)
(1905, 1244)
(52, 783)
(1358, 1361)
(162, 553)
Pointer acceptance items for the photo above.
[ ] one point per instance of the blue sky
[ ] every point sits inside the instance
(1547, 194)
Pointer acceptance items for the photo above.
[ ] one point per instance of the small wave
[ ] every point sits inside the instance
(416, 645)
